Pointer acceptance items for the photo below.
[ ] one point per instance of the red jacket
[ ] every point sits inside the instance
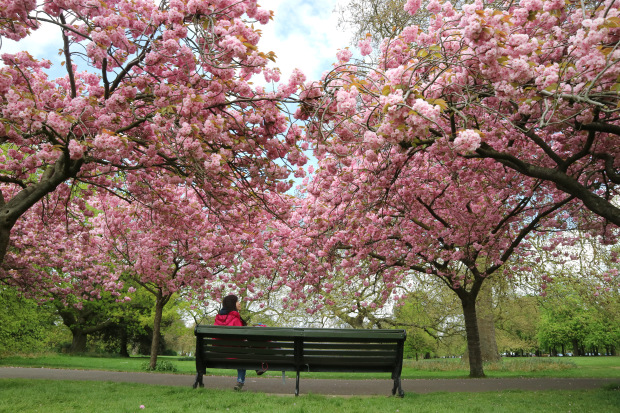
(232, 319)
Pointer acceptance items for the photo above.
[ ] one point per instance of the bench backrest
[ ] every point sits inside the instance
(300, 349)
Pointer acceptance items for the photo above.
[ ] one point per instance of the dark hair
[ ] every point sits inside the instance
(229, 302)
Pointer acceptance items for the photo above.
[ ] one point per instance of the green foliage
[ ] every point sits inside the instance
(161, 365)
(26, 327)
(431, 319)
(516, 322)
(571, 316)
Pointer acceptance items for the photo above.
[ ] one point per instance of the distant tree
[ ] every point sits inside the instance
(87, 318)
(580, 323)
(26, 326)
(169, 243)
(128, 326)
(517, 319)
(430, 316)
(377, 18)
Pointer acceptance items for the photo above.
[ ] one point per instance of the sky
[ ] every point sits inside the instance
(303, 35)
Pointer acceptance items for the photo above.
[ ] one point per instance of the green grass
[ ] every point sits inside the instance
(20, 395)
(573, 367)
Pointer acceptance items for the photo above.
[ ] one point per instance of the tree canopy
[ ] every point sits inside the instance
(152, 88)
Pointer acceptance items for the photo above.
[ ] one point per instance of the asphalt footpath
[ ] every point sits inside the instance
(281, 386)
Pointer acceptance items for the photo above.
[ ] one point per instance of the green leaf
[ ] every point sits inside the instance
(612, 22)
(441, 103)
(552, 87)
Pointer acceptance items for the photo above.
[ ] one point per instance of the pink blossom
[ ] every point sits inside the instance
(365, 47)
(263, 15)
(467, 141)
(76, 150)
(434, 6)
(344, 55)
(410, 34)
(412, 6)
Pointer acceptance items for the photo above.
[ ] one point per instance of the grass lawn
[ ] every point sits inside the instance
(595, 367)
(20, 395)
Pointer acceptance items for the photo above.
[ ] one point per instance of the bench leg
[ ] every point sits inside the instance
(198, 382)
(297, 385)
(398, 387)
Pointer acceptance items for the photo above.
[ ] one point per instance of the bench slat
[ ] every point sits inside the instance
(350, 353)
(251, 365)
(341, 345)
(254, 357)
(309, 334)
(227, 351)
(249, 343)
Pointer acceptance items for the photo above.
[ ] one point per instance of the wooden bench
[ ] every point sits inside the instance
(300, 349)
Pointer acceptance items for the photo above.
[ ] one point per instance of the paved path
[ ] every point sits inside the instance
(319, 386)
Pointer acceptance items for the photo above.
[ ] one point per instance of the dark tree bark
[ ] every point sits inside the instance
(78, 342)
(160, 302)
(486, 327)
(124, 342)
(563, 181)
(476, 369)
(81, 324)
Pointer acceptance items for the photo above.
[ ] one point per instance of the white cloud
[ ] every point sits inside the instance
(42, 43)
(303, 35)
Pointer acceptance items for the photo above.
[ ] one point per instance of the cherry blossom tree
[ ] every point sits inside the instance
(457, 220)
(169, 243)
(162, 85)
(406, 175)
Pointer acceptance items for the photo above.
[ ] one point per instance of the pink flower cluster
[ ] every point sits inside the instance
(365, 46)
(412, 6)
(467, 141)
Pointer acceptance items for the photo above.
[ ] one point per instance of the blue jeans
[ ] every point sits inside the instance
(240, 376)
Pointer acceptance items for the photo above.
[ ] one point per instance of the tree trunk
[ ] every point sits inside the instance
(123, 342)
(5, 237)
(159, 310)
(78, 343)
(476, 369)
(486, 326)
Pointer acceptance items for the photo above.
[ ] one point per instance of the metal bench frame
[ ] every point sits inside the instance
(300, 349)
